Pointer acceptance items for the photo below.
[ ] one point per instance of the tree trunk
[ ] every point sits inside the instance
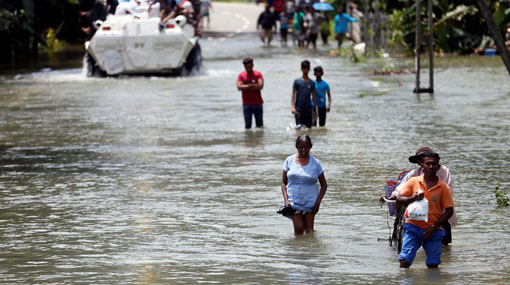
(35, 49)
(496, 34)
(377, 25)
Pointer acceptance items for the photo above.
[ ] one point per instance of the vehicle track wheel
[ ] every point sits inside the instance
(194, 59)
(92, 68)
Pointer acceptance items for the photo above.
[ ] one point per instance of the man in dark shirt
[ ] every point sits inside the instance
(267, 21)
(98, 12)
(303, 92)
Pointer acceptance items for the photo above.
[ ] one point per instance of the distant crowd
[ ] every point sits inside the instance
(306, 21)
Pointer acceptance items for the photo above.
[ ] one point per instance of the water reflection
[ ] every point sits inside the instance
(416, 276)
(253, 138)
(302, 254)
(427, 97)
(147, 274)
(303, 275)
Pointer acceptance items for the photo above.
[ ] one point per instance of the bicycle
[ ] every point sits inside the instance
(396, 235)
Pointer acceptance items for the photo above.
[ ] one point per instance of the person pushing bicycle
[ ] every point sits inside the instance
(443, 173)
(427, 233)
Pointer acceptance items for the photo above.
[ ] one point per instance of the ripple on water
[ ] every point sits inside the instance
(154, 180)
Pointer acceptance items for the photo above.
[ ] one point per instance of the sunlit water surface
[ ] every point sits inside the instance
(154, 179)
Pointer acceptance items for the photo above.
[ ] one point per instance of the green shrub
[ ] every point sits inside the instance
(501, 197)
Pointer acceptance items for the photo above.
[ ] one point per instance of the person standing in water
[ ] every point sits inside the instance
(428, 233)
(321, 89)
(267, 21)
(303, 94)
(299, 186)
(444, 174)
(341, 25)
(250, 82)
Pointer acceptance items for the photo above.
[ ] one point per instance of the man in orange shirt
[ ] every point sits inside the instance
(420, 233)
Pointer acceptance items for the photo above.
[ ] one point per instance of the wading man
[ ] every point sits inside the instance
(428, 234)
(303, 94)
(250, 82)
(443, 173)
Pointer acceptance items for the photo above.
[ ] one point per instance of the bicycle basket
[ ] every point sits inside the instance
(391, 185)
(388, 189)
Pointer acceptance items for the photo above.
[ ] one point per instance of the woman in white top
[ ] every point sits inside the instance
(299, 186)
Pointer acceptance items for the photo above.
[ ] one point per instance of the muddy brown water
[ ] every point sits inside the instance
(154, 179)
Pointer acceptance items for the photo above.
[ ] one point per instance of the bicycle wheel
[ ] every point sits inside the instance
(400, 235)
(400, 230)
(394, 233)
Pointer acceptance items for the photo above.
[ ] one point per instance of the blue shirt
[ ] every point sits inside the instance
(284, 21)
(341, 26)
(320, 91)
(304, 91)
(302, 190)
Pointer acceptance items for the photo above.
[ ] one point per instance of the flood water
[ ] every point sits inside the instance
(154, 179)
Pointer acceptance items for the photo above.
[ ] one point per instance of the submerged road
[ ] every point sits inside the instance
(153, 180)
(234, 18)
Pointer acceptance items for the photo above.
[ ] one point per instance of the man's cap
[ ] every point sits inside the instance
(247, 60)
(419, 153)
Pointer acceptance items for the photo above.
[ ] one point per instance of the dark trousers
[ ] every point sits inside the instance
(256, 111)
(325, 37)
(304, 118)
(340, 39)
(448, 230)
(322, 116)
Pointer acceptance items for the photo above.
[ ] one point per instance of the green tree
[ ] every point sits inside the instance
(25, 24)
(458, 25)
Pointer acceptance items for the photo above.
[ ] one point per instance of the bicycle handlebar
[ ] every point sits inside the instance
(389, 201)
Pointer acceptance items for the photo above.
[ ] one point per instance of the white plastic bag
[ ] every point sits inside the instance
(418, 210)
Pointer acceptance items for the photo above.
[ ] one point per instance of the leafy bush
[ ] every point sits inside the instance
(501, 197)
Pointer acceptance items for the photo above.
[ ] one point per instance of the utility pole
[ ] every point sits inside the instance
(417, 65)
(431, 48)
(365, 25)
(430, 41)
(496, 34)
